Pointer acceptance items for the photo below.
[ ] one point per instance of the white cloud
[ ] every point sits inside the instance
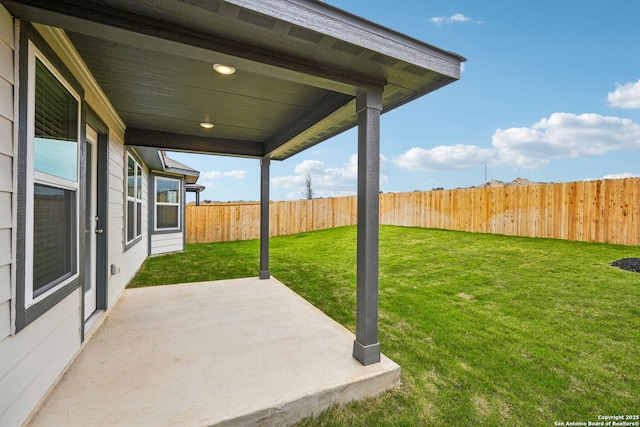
(625, 96)
(309, 166)
(235, 174)
(458, 18)
(621, 175)
(444, 157)
(562, 135)
(326, 181)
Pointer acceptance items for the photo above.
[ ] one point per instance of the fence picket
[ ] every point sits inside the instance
(601, 211)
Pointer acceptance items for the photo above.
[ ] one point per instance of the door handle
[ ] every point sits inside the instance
(99, 230)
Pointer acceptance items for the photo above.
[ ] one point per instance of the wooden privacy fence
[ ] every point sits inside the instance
(224, 222)
(596, 211)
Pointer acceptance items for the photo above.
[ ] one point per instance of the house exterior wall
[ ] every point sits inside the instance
(167, 242)
(127, 261)
(32, 359)
(6, 167)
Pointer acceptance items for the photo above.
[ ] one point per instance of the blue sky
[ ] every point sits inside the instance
(550, 92)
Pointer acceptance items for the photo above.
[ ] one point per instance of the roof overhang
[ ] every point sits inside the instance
(300, 64)
(158, 161)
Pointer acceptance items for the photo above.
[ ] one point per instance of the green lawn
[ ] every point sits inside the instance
(489, 330)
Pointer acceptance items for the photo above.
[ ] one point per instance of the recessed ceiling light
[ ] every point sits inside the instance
(225, 70)
(206, 125)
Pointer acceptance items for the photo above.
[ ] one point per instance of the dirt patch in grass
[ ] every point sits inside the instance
(629, 264)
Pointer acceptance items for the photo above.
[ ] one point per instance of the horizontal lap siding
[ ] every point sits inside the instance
(116, 198)
(164, 243)
(6, 169)
(33, 359)
(129, 260)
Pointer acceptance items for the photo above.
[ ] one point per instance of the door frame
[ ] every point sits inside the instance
(102, 209)
(90, 227)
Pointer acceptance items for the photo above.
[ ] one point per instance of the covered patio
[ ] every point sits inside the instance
(294, 74)
(232, 352)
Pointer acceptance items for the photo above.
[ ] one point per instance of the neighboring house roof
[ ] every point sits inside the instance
(157, 160)
(300, 64)
(175, 166)
(195, 188)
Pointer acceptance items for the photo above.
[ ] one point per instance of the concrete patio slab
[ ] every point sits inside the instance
(232, 352)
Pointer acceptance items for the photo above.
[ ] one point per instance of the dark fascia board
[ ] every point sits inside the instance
(194, 188)
(66, 13)
(198, 144)
(342, 25)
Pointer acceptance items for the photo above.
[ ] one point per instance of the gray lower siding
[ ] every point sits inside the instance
(32, 360)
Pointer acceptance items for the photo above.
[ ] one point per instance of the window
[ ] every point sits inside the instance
(167, 210)
(51, 261)
(53, 237)
(134, 199)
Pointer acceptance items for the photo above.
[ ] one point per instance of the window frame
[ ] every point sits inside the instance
(35, 177)
(156, 204)
(28, 39)
(137, 199)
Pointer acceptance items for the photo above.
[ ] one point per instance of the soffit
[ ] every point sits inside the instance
(299, 66)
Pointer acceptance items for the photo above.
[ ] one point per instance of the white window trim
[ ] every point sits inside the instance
(34, 177)
(137, 234)
(156, 204)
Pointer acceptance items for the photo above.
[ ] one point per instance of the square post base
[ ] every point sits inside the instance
(265, 274)
(366, 354)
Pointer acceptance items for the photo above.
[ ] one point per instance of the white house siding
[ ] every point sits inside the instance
(6, 169)
(130, 260)
(32, 360)
(164, 243)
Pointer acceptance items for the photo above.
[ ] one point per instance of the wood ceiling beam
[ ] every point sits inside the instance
(199, 144)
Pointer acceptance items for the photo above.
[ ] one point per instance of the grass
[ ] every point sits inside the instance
(489, 330)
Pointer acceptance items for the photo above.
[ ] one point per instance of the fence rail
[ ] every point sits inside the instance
(598, 211)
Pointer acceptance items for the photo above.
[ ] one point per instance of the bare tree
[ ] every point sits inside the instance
(308, 187)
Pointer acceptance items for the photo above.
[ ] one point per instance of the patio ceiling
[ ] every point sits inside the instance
(300, 64)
